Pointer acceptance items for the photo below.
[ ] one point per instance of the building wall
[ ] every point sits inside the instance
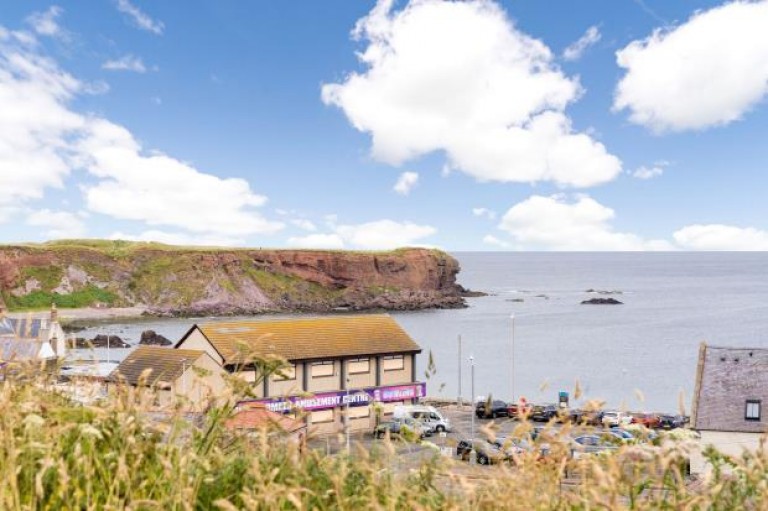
(360, 380)
(324, 383)
(730, 443)
(197, 341)
(405, 375)
(199, 386)
(281, 387)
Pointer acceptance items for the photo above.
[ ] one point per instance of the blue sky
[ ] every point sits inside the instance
(278, 124)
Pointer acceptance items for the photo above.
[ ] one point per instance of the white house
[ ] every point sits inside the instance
(731, 388)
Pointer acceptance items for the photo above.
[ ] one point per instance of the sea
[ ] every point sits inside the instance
(531, 334)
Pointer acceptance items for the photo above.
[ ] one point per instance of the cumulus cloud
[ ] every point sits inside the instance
(484, 212)
(44, 23)
(377, 235)
(304, 224)
(125, 63)
(41, 134)
(557, 223)
(57, 224)
(721, 237)
(458, 77)
(140, 18)
(649, 172)
(576, 50)
(490, 239)
(709, 71)
(406, 182)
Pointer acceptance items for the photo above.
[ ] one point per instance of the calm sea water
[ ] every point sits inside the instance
(641, 354)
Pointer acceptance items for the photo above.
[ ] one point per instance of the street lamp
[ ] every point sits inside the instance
(512, 349)
(472, 454)
(347, 421)
(459, 401)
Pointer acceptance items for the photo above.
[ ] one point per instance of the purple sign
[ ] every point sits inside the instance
(359, 397)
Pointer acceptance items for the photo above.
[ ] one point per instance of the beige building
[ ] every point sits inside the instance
(731, 387)
(337, 367)
(189, 377)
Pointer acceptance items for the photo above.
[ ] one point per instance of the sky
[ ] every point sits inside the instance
(468, 125)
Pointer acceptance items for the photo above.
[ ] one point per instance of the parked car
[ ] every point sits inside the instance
(516, 447)
(649, 420)
(613, 418)
(544, 413)
(621, 434)
(517, 410)
(496, 409)
(429, 415)
(671, 421)
(590, 444)
(398, 427)
(487, 453)
(585, 417)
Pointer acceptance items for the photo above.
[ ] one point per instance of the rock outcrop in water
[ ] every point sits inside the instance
(602, 301)
(101, 341)
(176, 281)
(152, 338)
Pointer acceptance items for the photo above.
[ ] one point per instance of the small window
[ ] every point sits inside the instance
(752, 411)
(393, 363)
(359, 365)
(322, 369)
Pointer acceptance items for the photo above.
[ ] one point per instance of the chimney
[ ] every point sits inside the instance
(54, 313)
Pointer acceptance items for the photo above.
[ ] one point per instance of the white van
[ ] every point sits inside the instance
(429, 415)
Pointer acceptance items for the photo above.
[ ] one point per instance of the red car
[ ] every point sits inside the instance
(649, 420)
(516, 410)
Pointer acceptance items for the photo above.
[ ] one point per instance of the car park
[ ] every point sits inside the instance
(429, 415)
(613, 418)
(544, 413)
(671, 421)
(649, 420)
(493, 409)
(486, 452)
(590, 444)
(399, 427)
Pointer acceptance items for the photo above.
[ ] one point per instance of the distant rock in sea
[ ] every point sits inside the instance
(101, 341)
(152, 338)
(602, 301)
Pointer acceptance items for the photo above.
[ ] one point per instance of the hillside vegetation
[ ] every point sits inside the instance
(208, 280)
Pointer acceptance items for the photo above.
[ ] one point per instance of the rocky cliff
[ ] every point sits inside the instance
(169, 280)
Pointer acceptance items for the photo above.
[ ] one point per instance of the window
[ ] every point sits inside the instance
(321, 416)
(286, 373)
(393, 363)
(322, 369)
(752, 411)
(359, 365)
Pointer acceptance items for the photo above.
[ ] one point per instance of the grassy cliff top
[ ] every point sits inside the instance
(123, 247)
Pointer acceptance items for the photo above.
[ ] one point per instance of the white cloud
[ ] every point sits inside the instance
(576, 50)
(554, 223)
(484, 212)
(406, 182)
(179, 238)
(42, 141)
(458, 77)
(708, 71)
(721, 237)
(377, 235)
(139, 18)
(59, 224)
(489, 239)
(44, 23)
(649, 172)
(304, 224)
(330, 241)
(125, 63)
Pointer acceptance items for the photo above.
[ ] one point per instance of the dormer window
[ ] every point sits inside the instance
(752, 410)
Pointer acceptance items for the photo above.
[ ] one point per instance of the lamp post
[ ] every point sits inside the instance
(472, 454)
(459, 400)
(109, 357)
(347, 421)
(512, 349)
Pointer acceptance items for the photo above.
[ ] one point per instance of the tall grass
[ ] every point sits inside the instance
(123, 453)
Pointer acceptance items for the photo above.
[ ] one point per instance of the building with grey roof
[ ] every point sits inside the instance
(730, 391)
(38, 329)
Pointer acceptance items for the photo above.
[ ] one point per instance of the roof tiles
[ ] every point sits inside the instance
(165, 365)
(311, 338)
